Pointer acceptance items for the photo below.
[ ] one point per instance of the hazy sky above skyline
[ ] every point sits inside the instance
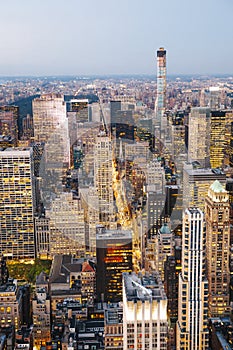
(58, 37)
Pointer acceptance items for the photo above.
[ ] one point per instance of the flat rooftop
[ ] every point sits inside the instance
(143, 287)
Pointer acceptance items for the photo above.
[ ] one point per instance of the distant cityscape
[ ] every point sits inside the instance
(116, 211)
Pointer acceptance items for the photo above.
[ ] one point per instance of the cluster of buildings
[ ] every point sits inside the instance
(130, 195)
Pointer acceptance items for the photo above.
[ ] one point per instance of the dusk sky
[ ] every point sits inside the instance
(57, 37)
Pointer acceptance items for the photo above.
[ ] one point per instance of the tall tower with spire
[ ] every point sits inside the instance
(160, 103)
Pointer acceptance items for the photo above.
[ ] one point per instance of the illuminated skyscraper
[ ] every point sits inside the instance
(114, 256)
(17, 204)
(103, 177)
(220, 137)
(145, 323)
(67, 227)
(155, 192)
(9, 116)
(51, 127)
(217, 248)
(199, 136)
(196, 184)
(192, 325)
(161, 88)
(51, 130)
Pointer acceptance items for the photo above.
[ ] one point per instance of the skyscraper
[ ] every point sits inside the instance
(51, 131)
(114, 256)
(17, 202)
(199, 136)
(103, 177)
(196, 184)
(9, 116)
(220, 137)
(217, 248)
(192, 325)
(161, 88)
(51, 127)
(67, 227)
(145, 323)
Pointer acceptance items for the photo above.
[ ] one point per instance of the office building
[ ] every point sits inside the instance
(115, 106)
(80, 107)
(9, 118)
(28, 129)
(199, 136)
(164, 242)
(192, 325)
(90, 204)
(67, 227)
(217, 209)
(103, 178)
(220, 138)
(156, 196)
(196, 182)
(17, 202)
(145, 324)
(42, 234)
(114, 256)
(51, 129)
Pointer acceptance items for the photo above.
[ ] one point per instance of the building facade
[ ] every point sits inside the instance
(114, 256)
(199, 136)
(192, 325)
(217, 209)
(161, 87)
(145, 323)
(17, 202)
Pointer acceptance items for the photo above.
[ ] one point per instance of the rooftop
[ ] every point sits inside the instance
(143, 287)
(217, 187)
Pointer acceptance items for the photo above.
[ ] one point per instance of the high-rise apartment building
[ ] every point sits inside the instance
(9, 116)
(17, 203)
(217, 209)
(145, 323)
(114, 256)
(161, 87)
(199, 136)
(192, 325)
